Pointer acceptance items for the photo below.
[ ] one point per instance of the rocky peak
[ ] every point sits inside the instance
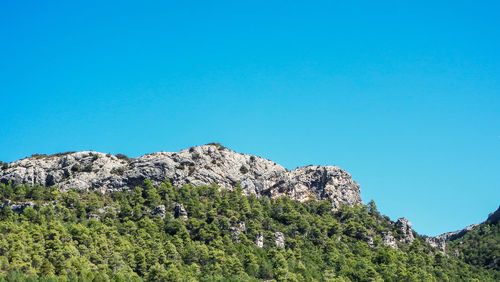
(200, 165)
(404, 228)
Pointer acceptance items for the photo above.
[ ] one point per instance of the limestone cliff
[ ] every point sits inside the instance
(200, 165)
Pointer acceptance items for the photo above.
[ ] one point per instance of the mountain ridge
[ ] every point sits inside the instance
(440, 241)
(199, 165)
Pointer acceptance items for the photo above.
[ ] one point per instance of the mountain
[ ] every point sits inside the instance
(478, 244)
(200, 165)
(207, 213)
(461, 237)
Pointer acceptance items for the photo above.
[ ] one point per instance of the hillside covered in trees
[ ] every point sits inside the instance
(480, 246)
(188, 233)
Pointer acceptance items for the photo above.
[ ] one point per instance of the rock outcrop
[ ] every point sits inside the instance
(404, 228)
(280, 240)
(389, 240)
(437, 242)
(200, 165)
(237, 230)
(160, 210)
(259, 240)
(180, 212)
(17, 207)
(440, 240)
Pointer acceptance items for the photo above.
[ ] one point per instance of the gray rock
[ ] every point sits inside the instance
(440, 240)
(259, 241)
(404, 227)
(17, 207)
(161, 211)
(94, 216)
(180, 212)
(201, 165)
(389, 240)
(437, 242)
(236, 231)
(280, 240)
(369, 241)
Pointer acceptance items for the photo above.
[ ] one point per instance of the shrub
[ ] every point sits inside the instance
(78, 168)
(75, 168)
(195, 156)
(118, 170)
(38, 156)
(87, 168)
(243, 169)
(122, 157)
(62, 154)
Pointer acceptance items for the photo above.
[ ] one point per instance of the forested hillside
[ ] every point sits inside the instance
(481, 246)
(188, 233)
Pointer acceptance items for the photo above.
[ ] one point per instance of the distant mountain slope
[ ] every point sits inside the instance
(200, 165)
(481, 245)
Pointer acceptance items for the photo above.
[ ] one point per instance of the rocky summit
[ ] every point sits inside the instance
(200, 165)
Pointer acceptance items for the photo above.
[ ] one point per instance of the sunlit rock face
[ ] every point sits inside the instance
(200, 165)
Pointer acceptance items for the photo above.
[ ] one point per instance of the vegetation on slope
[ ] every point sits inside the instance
(480, 246)
(120, 237)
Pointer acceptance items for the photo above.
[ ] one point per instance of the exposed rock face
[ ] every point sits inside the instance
(437, 242)
(201, 165)
(440, 240)
(320, 182)
(94, 216)
(259, 241)
(404, 227)
(280, 240)
(17, 207)
(81, 170)
(236, 231)
(161, 211)
(369, 241)
(389, 240)
(180, 212)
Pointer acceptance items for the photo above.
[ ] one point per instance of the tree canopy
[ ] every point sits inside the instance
(133, 235)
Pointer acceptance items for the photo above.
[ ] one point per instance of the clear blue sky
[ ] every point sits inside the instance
(405, 96)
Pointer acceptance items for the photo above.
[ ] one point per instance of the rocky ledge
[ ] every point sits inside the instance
(200, 165)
